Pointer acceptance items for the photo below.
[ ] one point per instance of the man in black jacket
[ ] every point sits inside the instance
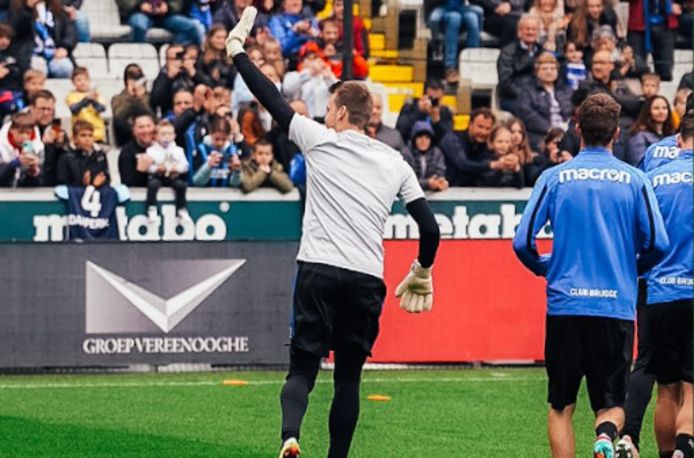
(133, 153)
(52, 135)
(425, 108)
(376, 129)
(516, 62)
(84, 165)
(467, 155)
(173, 77)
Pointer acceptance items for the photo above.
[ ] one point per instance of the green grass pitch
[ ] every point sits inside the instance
(433, 413)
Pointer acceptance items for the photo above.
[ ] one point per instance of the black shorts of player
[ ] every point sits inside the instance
(335, 307)
(595, 347)
(670, 328)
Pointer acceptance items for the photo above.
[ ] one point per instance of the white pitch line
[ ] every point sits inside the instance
(35, 386)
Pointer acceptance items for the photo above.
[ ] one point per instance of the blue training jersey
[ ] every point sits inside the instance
(660, 153)
(671, 278)
(603, 214)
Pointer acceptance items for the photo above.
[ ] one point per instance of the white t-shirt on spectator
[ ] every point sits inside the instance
(352, 182)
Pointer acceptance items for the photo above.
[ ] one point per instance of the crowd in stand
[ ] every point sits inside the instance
(197, 124)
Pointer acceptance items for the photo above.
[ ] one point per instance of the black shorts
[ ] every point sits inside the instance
(335, 307)
(670, 328)
(599, 348)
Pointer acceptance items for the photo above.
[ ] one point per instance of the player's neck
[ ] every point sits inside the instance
(346, 127)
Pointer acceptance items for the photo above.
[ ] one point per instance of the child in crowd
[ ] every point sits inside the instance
(222, 165)
(332, 51)
(551, 153)
(10, 76)
(84, 165)
(272, 52)
(33, 81)
(679, 105)
(425, 158)
(21, 152)
(222, 96)
(650, 84)
(311, 82)
(168, 164)
(574, 68)
(500, 145)
(263, 170)
(553, 22)
(86, 104)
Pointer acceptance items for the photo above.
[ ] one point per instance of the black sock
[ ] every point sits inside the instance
(344, 411)
(608, 428)
(684, 443)
(667, 454)
(303, 369)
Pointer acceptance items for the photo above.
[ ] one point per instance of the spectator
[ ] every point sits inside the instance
(168, 164)
(573, 70)
(686, 24)
(311, 82)
(86, 104)
(679, 105)
(201, 12)
(229, 12)
(285, 150)
(272, 51)
(589, 16)
(10, 75)
(502, 17)
(449, 15)
(376, 129)
(21, 153)
(359, 32)
(500, 148)
(193, 125)
(182, 101)
(222, 166)
(530, 161)
(214, 66)
(262, 170)
(686, 82)
(652, 30)
(516, 61)
(44, 37)
(425, 158)
(332, 50)
(467, 154)
(551, 153)
(72, 9)
(83, 165)
(222, 96)
(51, 133)
(179, 72)
(543, 103)
(426, 108)
(553, 22)
(133, 162)
(626, 63)
(142, 15)
(33, 81)
(242, 94)
(650, 85)
(654, 123)
(133, 100)
(600, 80)
(292, 29)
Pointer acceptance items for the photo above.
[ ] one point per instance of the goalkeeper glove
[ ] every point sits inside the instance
(416, 290)
(237, 36)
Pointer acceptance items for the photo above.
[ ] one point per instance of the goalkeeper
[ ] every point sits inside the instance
(339, 292)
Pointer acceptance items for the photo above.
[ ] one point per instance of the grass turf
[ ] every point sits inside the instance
(433, 413)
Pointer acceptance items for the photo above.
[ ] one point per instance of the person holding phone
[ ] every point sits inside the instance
(134, 100)
(21, 153)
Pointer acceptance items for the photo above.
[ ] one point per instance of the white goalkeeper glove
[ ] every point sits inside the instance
(416, 290)
(237, 37)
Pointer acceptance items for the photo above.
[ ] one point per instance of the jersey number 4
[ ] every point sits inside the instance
(91, 201)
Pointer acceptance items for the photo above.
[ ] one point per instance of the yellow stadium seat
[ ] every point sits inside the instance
(377, 41)
(451, 102)
(460, 122)
(416, 88)
(396, 101)
(391, 73)
(384, 53)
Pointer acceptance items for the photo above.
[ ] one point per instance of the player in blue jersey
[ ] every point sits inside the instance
(667, 317)
(603, 214)
(660, 153)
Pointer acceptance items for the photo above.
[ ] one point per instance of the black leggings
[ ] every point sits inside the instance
(179, 187)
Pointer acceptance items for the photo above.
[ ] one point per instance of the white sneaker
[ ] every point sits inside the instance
(152, 213)
(290, 449)
(184, 216)
(626, 448)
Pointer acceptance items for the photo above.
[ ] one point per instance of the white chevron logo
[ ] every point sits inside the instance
(167, 313)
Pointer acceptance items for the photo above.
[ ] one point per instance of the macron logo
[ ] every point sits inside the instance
(672, 178)
(666, 152)
(582, 174)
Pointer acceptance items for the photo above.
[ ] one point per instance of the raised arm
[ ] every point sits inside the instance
(259, 85)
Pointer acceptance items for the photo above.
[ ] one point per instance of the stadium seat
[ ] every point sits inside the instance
(104, 22)
(479, 66)
(60, 88)
(93, 57)
(157, 35)
(162, 54)
(144, 54)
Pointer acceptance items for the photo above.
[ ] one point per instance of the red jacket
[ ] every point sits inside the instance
(637, 21)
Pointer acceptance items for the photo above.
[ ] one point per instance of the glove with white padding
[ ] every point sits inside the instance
(237, 37)
(416, 290)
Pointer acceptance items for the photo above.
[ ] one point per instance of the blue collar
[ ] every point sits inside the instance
(595, 150)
